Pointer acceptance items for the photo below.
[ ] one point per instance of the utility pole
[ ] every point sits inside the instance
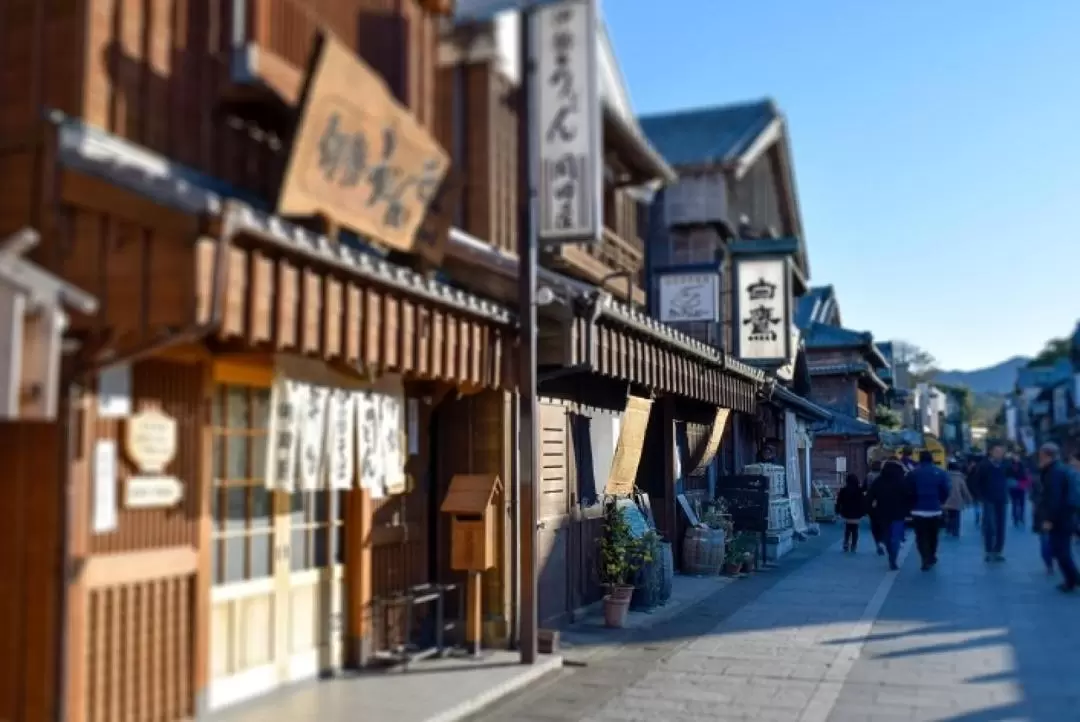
(528, 438)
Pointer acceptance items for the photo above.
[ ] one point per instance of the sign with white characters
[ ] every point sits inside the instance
(153, 492)
(105, 473)
(391, 420)
(764, 311)
(313, 436)
(1010, 423)
(341, 438)
(689, 297)
(567, 122)
(285, 402)
(371, 469)
(151, 440)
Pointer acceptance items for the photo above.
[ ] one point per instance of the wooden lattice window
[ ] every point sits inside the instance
(241, 506)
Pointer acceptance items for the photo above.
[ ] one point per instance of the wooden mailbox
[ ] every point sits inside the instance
(471, 504)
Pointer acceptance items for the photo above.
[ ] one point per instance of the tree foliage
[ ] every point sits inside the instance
(921, 363)
(1054, 350)
(887, 418)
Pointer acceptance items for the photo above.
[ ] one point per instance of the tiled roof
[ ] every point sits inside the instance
(139, 170)
(822, 336)
(844, 425)
(1044, 376)
(789, 398)
(854, 367)
(708, 136)
(812, 306)
(819, 335)
(649, 326)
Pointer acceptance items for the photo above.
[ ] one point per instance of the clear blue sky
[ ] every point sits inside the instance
(936, 146)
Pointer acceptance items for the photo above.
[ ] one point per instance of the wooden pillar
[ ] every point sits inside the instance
(667, 439)
(358, 612)
(79, 440)
(203, 582)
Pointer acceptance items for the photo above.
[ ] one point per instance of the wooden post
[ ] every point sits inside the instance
(358, 612)
(474, 626)
(203, 583)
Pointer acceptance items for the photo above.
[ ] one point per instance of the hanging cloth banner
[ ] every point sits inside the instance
(390, 435)
(341, 438)
(372, 472)
(313, 437)
(281, 451)
(624, 465)
(712, 443)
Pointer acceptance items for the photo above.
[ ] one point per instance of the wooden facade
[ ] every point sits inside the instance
(478, 123)
(204, 300)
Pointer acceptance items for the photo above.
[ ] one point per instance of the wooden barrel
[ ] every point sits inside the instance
(703, 551)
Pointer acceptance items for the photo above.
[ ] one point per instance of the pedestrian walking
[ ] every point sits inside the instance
(992, 488)
(906, 459)
(1019, 482)
(970, 474)
(876, 529)
(851, 507)
(1057, 510)
(959, 499)
(931, 486)
(891, 497)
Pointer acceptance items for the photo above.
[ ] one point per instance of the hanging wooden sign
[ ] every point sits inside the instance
(153, 492)
(624, 465)
(150, 441)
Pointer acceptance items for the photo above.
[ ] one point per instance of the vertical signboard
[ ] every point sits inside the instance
(763, 309)
(566, 125)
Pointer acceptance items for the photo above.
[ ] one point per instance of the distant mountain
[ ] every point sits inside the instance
(998, 379)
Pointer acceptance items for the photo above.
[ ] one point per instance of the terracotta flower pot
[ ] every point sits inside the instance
(621, 592)
(732, 568)
(615, 610)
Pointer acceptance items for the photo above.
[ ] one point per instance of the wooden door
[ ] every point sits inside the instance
(313, 574)
(553, 536)
(278, 578)
(249, 535)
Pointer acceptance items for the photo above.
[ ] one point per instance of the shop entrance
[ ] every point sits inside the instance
(278, 590)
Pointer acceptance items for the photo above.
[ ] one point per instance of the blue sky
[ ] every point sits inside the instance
(936, 145)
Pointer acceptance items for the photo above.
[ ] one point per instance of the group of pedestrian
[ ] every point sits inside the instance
(899, 488)
(895, 489)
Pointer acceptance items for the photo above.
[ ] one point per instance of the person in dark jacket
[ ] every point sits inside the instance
(875, 522)
(1045, 550)
(851, 507)
(992, 487)
(1017, 478)
(931, 488)
(1057, 512)
(891, 498)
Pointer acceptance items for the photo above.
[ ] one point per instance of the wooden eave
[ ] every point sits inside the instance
(640, 160)
(610, 339)
(259, 281)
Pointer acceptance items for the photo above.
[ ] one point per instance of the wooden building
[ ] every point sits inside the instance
(150, 149)
(619, 388)
(843, 365)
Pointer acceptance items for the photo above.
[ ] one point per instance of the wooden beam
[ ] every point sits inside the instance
(12, 314)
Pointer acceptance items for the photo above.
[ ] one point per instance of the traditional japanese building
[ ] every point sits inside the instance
(622, 393)
(210, 544)
(727, 263)
(844, 366)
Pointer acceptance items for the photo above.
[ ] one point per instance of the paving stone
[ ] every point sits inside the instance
(966, 642)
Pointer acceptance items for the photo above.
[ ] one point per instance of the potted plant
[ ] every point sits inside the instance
(648, 579)
(620, 558)
(734, 559)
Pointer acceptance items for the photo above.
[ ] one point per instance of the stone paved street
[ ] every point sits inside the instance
(830, 637)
